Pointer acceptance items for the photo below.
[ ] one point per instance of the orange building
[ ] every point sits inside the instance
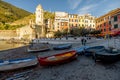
(61, 21)
(104, 23)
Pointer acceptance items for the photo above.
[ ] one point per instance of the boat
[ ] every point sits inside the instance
(62, 47)
(107, 56)
(80, 50)
(91, 50)
(38, 48)
(17, 63)
(57, 58)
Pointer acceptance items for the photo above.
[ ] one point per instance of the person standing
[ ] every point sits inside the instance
(82, 41)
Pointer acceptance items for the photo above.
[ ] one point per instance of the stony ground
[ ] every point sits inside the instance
(83, 68)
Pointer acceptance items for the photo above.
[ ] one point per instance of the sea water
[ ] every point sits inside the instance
(5, 46)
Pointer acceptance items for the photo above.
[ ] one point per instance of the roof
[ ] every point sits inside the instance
(39, 6)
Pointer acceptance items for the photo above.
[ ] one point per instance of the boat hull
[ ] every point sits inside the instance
(38, 50)
(91, 50)
(18, 63)
(62, 47)
(104, 56)
(56, 61)
(80, 50)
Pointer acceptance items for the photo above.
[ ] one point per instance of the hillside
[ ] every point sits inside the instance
(10, 13)
(24, 21)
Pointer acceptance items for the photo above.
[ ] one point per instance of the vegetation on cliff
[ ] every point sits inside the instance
(12, 17)
(10, 13)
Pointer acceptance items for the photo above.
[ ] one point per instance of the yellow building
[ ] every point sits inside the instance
(73, 20)
(86, 21)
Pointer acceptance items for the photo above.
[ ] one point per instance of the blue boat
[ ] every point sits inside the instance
(17, 63)
(91, 50)
(107, 55)
(80, 50)
(62, 47)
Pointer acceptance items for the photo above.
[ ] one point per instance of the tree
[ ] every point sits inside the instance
(58, 34)
(49, 15)
(79, 31)
(95, 32)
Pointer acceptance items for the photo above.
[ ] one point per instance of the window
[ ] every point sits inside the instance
(109, 22)
(109, 29)
(76, 25)
(72, 20)
(100, 25)
(104, 30)
(116, 26)
(104, 24)
(72, 25)
(115, 18)
(82, 25)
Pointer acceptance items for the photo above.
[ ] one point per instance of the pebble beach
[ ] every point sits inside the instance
(83, 68)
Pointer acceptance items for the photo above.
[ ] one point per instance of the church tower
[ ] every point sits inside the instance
(39, 15)
(39, 27)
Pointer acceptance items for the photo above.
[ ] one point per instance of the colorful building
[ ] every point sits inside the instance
(115, 23)
(73, 20)
(61, 21)
(86, 21)
(106, 23)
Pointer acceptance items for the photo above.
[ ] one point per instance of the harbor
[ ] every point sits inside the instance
(83, 68)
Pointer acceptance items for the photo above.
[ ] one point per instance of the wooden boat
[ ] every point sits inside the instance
(17, 63)
(107, 56)
(58, 58)
(91, 50)
(38, 48)
(62, 47)
(80, 50)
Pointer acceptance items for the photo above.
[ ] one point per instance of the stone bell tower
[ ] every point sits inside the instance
(39, 15)
(39, 21)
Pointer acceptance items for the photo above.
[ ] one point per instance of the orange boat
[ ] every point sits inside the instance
(58, 58)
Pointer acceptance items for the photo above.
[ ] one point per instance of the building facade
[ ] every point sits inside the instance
(115, 22)
(61, 21)
(87, 21)
(73, 20)
(108, 22)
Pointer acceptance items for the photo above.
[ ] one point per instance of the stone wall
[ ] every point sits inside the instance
(8, 34)
(25, 32)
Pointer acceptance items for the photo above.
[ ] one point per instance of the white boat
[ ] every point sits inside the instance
(38, 48)
(17, 63)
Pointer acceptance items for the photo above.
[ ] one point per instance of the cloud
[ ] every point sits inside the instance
(86, 9)
(74, 3)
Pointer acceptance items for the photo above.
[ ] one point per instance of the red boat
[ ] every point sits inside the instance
(58, 58)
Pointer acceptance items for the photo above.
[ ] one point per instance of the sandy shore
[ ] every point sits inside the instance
(84, 68)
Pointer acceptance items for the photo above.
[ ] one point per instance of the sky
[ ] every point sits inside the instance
(94, 7)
